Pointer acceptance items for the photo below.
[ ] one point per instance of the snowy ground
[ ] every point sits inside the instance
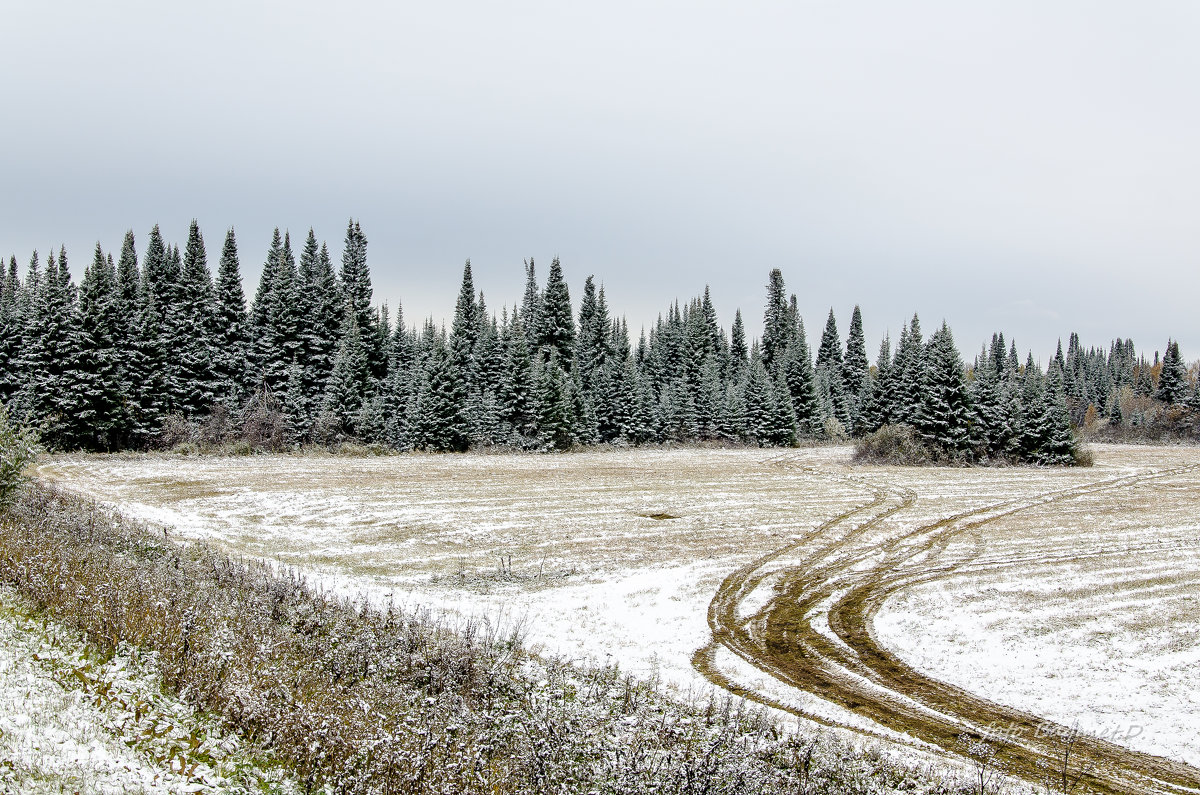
(70, 722)
(1080, 611)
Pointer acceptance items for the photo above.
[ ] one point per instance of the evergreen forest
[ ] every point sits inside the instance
(152, 351)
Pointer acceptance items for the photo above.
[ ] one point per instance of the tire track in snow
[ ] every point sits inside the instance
(855, 672)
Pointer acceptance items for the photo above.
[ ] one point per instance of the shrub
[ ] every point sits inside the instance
(892, 444)
(18, 449)
(1081, 455)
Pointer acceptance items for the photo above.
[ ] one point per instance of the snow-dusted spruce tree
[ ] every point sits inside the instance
(102, 416)
(195, 344)
(231, 331)
(347, 388)
(1057, 442)
(1172, 380)
(57, 385)
(10, 332)
(943, 417)
(284, 341)
(908, 371)
(556, 420)
(775, 323)
(856, 369)
(519, 407)
(877, 409)
(739, 354)
(465, 331)
(556, 320)
(531, 306)
(261, 332)
(801, 384)
(319, 314)
(1028, 432)
(441, 422)
(355, 279)
(988, 427)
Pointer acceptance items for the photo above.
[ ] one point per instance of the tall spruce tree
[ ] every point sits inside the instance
(739, 354)
(11, 333)
(195, 344)
(943, 417)
(856, 368)
(776, 331)
(231, 329)
(556, 321)
(466, 330)
(801, 384)
(1173, 387)
(101, 409)
(355, 278)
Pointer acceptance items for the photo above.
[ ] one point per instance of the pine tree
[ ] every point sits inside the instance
(441, 423)
(943, 418)
(776, 329)
(148, 371)
(556, 322)
(101, 410)
(519, 408)
(594, 341)
(877, 410)
(56, 389)
(856, 369)
(739, 354)
(1028, 412)
(829, 355)
(531, 306)
(346, 390)
(297, 412)
(323, 298)
(989, 427)
(195, 344)
(1057, 443)
(10, 333)
(464, 334)
(355, 279)
(231, 329)
(1172, 381)
(160, 277)
(399, 388)
(126, 301)
(761, 421)
(802, 385)
(907, 373)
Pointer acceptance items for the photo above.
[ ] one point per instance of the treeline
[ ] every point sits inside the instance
(154, 351)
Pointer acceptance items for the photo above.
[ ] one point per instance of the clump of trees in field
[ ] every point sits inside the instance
(154, 351)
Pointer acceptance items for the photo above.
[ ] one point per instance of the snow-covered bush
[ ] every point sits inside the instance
(892, 444)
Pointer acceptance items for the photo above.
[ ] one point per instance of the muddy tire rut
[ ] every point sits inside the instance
(841, 574)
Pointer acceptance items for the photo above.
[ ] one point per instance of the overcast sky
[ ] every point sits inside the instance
(1030, 167)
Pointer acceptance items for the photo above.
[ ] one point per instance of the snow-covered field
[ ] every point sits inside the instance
(1078, 610)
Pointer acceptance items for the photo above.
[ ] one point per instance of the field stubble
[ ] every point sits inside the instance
(1080, 609)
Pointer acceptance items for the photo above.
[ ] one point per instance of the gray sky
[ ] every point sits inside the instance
(1031, 167)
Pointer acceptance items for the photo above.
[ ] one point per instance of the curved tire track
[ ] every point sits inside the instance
(854, 671)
